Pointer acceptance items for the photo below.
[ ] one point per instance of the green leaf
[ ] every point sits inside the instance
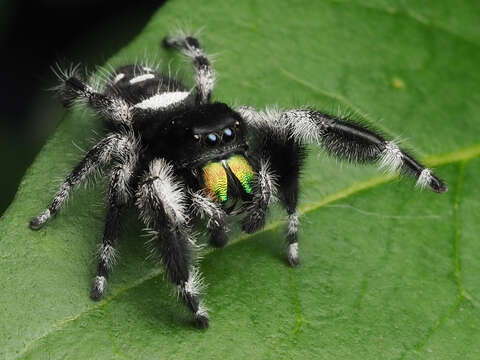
(387, 271)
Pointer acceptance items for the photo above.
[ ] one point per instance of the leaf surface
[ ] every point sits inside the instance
(387, 271)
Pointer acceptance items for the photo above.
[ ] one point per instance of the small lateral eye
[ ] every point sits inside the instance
(237, 123)
(228, 135)
(197, 137)
(212, 139)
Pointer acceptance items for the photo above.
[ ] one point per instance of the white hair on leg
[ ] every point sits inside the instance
(108, 255)
(195, 284)
(202, 310)
(99, 284)
(293, 223)
(424, 179)
(305, 128)
(267, 183)
(391, 158)
(41, 219)
(161, 190)
(292, 252)
(207, 209)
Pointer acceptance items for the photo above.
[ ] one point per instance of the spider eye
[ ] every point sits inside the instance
(228, 135)
(212, 139)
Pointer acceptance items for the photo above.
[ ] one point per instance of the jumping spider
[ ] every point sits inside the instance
(176, 156)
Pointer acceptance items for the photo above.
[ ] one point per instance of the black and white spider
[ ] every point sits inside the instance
(176, 156)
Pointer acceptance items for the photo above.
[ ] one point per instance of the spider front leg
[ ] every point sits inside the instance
(285, 161)
(205, 75)
(342, 138)
(97, 156)
(264, 190)
(215, 215)
(119, 195)
(162, 205)
(283, 135)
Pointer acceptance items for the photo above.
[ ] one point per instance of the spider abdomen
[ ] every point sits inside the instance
(136, 83)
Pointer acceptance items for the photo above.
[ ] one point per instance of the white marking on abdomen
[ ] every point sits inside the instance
(118, 78)
(162, 100)
(141, 78)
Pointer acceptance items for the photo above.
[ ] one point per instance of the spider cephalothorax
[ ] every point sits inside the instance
(176, 156)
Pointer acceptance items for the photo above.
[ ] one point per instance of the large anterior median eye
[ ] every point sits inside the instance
(212, 139)
(228, 135)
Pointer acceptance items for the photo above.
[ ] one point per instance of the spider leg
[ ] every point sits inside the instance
(217, 218)
(204, 73)
(286, 159)
(162, 205)
(119, 195)
(265, 188)
(344, 139)
(282, 137)
(113, 109)
(97, 156)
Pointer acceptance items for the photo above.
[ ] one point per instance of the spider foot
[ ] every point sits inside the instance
(98, 288)
(201, 318)
(292, 255)
(218, 239)
(168, 42)
(253, 222)
(40, 220)
(73, 89)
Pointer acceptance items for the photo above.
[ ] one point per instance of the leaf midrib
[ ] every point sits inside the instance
(433, 160)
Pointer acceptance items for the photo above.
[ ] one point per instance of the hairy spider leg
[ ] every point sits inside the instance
(265, 188)
(342, 138)
(119, 196)
(163, 208)
(97, 156)
(113, 109)
(204, 73)
(216, 217)
(286, 157)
